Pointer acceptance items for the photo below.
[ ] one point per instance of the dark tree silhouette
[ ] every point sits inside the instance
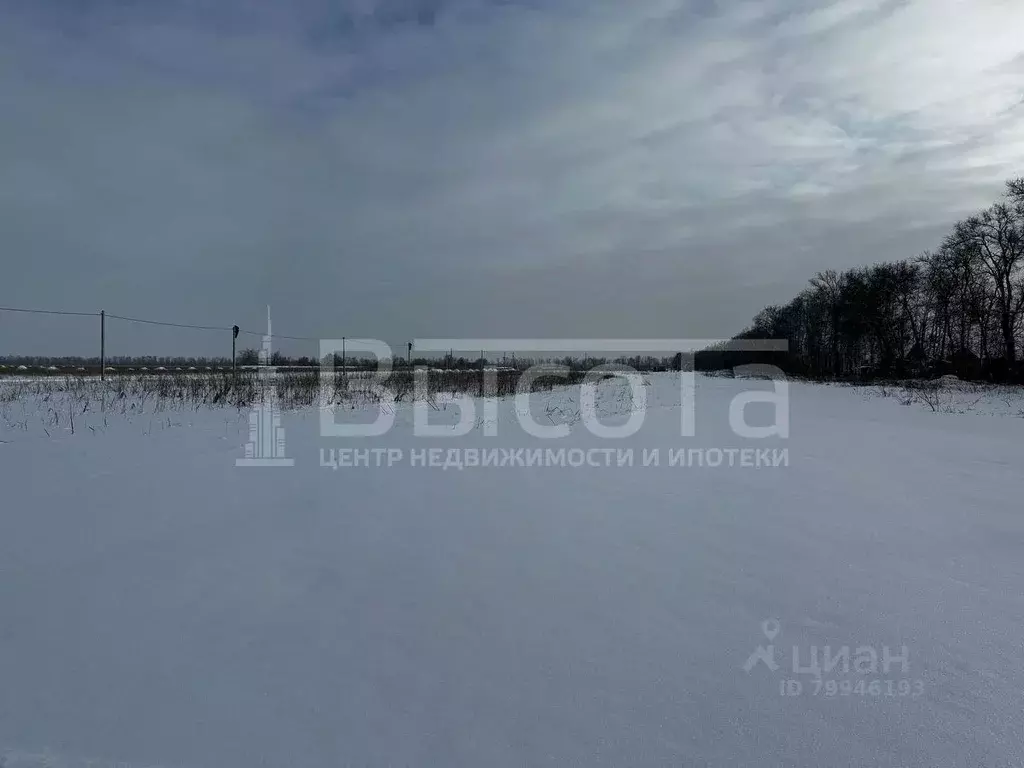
(958, 309)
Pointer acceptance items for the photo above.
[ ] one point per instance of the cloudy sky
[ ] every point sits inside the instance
(409, 168)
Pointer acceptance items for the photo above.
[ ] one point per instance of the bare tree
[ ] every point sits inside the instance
(829, 285)
(998, 234)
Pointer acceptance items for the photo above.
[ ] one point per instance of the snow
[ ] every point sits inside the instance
(161, 607)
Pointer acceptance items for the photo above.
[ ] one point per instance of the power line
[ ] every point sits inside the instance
(49, 312)
(171, 325)
(279, 336)
(222, 328)
(303, 338)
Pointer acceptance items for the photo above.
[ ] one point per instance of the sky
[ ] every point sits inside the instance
(395, 169)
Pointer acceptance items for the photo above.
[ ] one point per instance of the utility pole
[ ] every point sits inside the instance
(344, 357)
(409, 345)
(103, 345)
(234, 335)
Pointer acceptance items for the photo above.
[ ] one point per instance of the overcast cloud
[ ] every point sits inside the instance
(404, 168)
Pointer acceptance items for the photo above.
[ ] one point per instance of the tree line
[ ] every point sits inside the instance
(957, 309)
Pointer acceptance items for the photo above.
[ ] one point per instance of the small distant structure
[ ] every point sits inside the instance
(22, 368)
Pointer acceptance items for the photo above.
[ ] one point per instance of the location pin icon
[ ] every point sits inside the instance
(771, 628)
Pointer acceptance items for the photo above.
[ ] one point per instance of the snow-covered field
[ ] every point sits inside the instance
(160, 606)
